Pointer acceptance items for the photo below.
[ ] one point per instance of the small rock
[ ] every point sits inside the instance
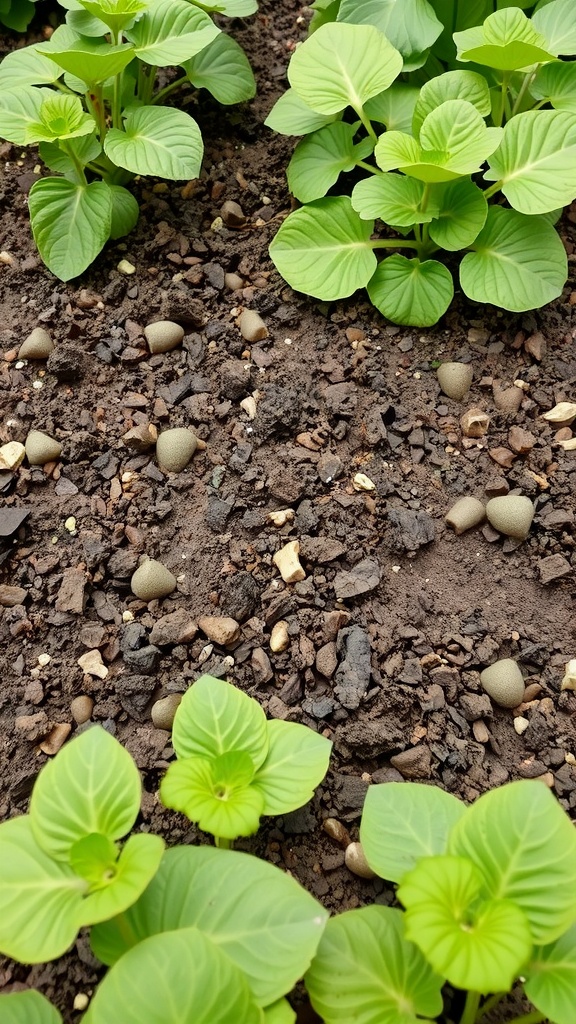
(502, 457)
(474, 423)
(221, 629)
(455, 379)
(326, 660)
(551, 568)
(55, 739)
(176, 628)
(38, 345)
(329, 467)
(414, 763)
(232, 214)
(288, 563)
(279, 637)
(511, 515)
(521, 441)
(71, 594)
(465, 514)
(92, 665)
(233, 282)
(361, 579)
(412, 530)
(11, 596)
(536, 346)
(163, 711)
(144, 660)
(508, 399)
(81, 709)
(34, 727)
(261, 667)
(175, 448)
(337, 831)
(40, 448)
(355, 860)
(11, 456)
(252, 326)
(141, 438)
(152, 580)
(504, 683)
(239, 596)
(163, 336)
(352, 677)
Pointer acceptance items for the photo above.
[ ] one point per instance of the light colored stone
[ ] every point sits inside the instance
(511, 514)
(11, 596)
(337, 831)
(288, 563)
(569, 680)
(152, 580)
(465, 514)
(233, 282)
(175, 448)
(12, 455)
(455, 379)
(281, 517)
(232, 214)
(163, 711)
(92, 665)
(252, 326)
(279, 638)
(355, 860)
(361, 482)
(55, 739)
(40, 448)
(520, 724)
(504, 683)
(81, 709)
(163, 336)
(38, 345)
(141, 438)
(474, 423)
(221, 629)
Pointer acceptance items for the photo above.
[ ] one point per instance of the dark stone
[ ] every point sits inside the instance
(300, 822)
(135, 693)
(552, 568)
(364, 577)
(318, 707)
(352, 677)
(67, 363)
(217, 513)
(144, 660)
(133, 637)
(348, 795)
(371, 738)
(239, 596)
(11, 519)
(412, 529)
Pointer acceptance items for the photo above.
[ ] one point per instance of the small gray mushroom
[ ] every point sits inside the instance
(38, 345)
(163, 336)
(41, 448)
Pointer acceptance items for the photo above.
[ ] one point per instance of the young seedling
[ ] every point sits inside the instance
(457, 144)
(235, 766)
(489, 893)
(61, 866)
(89, 98)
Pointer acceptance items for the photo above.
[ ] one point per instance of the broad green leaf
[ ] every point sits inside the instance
(536, 161)
(223, 68)
(86, 148)
(280, 1013)
(94, 858)
(215, 717)
(319, 159)
(291, 116)
(368, 972)
(179, 977)
(555, 82)
(116, 14)
(70, 223)
(92, 61)
(475, 943)
(121, 886)
(454, 85)
(325, 11)
(92, 786)
(457, 15)
(462, 214)
(518, 262)
(407, 291)
(85, 24)
(551, 979)
(60, 117)
(297, 762)
(18, 15)
(40, 899)
(341, 66)
(272, 939)
(557, 23)
(402, 822)
(410, 25)
(125, 212)
(171, 32)
(19, 108)
(394, 199)
(28, 66)
(28, 1008)
(454, 142)
(324, 249)
(158, 141)
(231, 8)
(216, 793)
(507, 40)
(524, 845)
(394, 108)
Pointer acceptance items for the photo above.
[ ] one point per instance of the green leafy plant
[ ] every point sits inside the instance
(234, 765)
(61, 865)
(489, 893)
(17, 14)
(88, 97)
(447, 133)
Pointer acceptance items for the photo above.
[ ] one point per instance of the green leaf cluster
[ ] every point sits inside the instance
(89, 98)
(468, 138)
(234, 765)
(489, 893)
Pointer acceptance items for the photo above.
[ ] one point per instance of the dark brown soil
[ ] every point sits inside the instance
(338, 392)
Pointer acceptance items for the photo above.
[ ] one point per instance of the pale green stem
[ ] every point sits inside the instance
(223, 844)
(490, 1003)
(470, 1008)
(117, 95)
(69, 150)
(96, 108)
(367, 124)
(489, 192)
(160, 96)
(368, 167)
(534, 1017)
(528, 78)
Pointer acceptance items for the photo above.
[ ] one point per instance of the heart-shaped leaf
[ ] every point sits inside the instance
(70, 224)
(116, 14)
(518, 262)
(125, 212)
(556, 21)
(92, 786)
(90, 60)
(20, 108)
(324, 249)
(461, 215)
(158, 141)
(86, 148)
(18, 14)
(319, 159)
(475, 943)
(454, 85)
(296, 763)
(216, 793)
(410, 25)
(171, 32)
(27, 1008)
(214, 717)
(343, 65)
(291, 116)
(179, 977)
(60, 117)
(555, 83)
(507, 41)
(402, 822)
(367, 971)
(273, 941)
(394, 108)
(551, 979)
(394, 199)
(410, 292)
(122, 884)
(536, 161)
(27, 66)
(223, 68)
(531, 855)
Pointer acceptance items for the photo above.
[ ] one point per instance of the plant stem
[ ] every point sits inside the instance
(490, 1003)
(489, 192)
(79, 168)
(117, 96)
(177, 84)
(95, 103)
(368, 167)
(223, 844)
(146, 79)
(425, 197)
(534, 1017)
(367, 124)
(470, 1008)
(518, 102)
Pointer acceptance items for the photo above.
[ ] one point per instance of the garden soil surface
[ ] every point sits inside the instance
(396, 615)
